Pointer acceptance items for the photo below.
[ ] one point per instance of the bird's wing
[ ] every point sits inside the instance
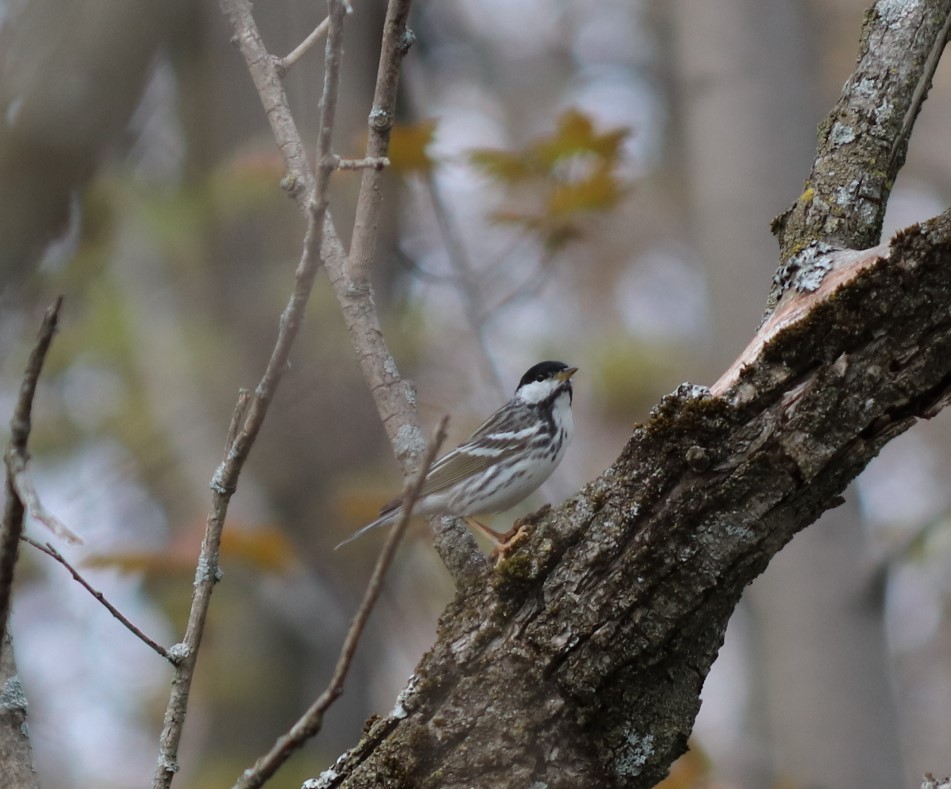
(470, 459)
(452, 468)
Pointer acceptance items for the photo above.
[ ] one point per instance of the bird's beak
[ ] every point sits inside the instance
(564, 375)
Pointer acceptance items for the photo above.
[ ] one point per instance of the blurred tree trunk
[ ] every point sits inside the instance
(71, 74)
(747, 85)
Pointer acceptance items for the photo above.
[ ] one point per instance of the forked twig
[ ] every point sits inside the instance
(20, 476)
(311, 721)
(50, 551)
(285, 63)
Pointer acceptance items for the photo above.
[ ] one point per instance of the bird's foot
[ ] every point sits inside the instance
(505, 543)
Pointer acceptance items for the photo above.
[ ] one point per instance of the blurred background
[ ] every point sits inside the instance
(579, 180)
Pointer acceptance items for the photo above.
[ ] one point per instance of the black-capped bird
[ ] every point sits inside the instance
(513, 452)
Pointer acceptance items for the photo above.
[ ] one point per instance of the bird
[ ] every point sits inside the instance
(507, 457)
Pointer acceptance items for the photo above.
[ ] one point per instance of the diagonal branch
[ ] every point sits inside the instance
(285, 63)
(863, 140)
(50, 551)
(395, 399)
(311, 721)
(16, 459)
(225, 480)
(581, 662)
(30, 499)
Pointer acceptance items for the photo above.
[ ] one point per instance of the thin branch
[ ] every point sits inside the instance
(50, 551)
(395, 399)
(285, 63)
(377, 163)
(225, 479)
(20, 474)
(299, 182)
(311, 721)
(16, 458)
(351, 280)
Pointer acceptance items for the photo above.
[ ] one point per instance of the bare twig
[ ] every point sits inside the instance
(20, 474)
(50, 551)
(300, 181)
(16, 458)
(237, 416)
(455, 545)
(395, 400)
(285, 63)
(351, 280)
(377, 163)
(225, 479)
(311, 721)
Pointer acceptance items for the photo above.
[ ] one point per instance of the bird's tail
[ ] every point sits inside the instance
(384, 520)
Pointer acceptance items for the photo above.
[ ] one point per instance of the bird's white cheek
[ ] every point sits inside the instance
(536, 391)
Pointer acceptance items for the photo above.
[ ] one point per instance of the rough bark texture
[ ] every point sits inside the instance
(16, 753)
(863, 140)
(581, 658)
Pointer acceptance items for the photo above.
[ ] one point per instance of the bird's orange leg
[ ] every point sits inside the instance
(492, 534)
(502, 542)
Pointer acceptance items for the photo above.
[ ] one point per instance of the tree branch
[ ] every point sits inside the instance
(863, 140)
(581, 661)
(16, 753)
(311, 722)
(17, 457)
(50, 551)
(285, 63)
(395, 399)
(225, 479)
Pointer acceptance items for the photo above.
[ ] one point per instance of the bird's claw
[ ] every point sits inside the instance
(509, 541)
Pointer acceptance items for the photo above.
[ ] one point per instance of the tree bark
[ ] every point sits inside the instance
(748, 77)
(16, 753)
(580, 658)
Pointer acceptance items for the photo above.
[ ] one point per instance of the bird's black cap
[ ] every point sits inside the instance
(543, 370)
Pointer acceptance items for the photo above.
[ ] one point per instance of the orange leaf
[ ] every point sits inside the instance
(408, 144)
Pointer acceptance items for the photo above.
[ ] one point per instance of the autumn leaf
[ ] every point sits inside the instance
(600, 191)
(576, 134)
(505, 166)
(264, 547)
(408, 147)
(555, 180)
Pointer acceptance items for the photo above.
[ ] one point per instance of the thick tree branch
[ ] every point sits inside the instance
(582, 662)
(17, 457)
(16, 753)
(862, 142)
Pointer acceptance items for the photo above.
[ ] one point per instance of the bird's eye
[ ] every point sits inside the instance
(540, 377)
